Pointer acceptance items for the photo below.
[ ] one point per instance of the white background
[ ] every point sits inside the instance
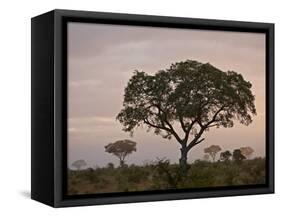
(15, 107)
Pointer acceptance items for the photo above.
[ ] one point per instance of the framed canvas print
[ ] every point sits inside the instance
(134, 108)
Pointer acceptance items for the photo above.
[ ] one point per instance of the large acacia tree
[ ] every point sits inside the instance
(186, 100)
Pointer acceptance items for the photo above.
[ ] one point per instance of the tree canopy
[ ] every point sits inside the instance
(197, 96)
(225, 156)
(247, 151)
(212, 151)
(79, 164)
(237, 155)
(121, 149)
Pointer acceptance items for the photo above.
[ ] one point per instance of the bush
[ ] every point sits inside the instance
(162, 175)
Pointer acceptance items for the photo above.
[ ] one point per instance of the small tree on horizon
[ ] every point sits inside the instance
(225, 156)
(238, 156)
(247, 151)
(79, 164)
(191, 95)
(110, 166)
(212, 151)
(121, 149)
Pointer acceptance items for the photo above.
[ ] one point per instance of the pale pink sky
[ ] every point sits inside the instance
(102, 58)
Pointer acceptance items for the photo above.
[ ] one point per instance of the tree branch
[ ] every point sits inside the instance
(168, 123)
(164, 121)
(182, 124)
(215, 116)
(145, 120)
(195, 140)
(203, 128)
(188, 130)
(199, 141)
(173, 132)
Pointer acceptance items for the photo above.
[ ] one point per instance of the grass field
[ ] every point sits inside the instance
(162, 175)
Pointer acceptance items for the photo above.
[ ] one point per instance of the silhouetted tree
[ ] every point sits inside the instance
(110, 166)
(121, 149)
(247, 151)
(212, 151)
(79, 164)
(197, 96)
(225, 156)
(237, 155)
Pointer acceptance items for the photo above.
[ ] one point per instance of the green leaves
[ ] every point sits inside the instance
(196, 95)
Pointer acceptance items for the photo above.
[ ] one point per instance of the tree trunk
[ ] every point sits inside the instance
(122, 162)
(183, 158)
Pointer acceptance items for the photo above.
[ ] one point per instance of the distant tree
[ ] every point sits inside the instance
(194, 95)
(79, 164)
(110, 166)
(121, 149)
(212, 151)
(206, 157)
(90, 169)
(225, 156)
(237, 155)
(197, 161)
(247, 151)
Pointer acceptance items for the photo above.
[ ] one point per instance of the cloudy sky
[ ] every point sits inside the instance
(101, 60)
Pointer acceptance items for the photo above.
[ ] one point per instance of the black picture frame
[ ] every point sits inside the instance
(49, 106)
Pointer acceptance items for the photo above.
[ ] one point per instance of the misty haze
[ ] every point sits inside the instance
(114, 124)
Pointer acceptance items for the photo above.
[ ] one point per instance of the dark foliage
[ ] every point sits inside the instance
(225, 156)
(197, 96)
(121, 149)
(162, 175)
(237, 155)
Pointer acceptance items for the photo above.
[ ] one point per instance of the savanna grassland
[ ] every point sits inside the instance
(161, 175)
(181, 102)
